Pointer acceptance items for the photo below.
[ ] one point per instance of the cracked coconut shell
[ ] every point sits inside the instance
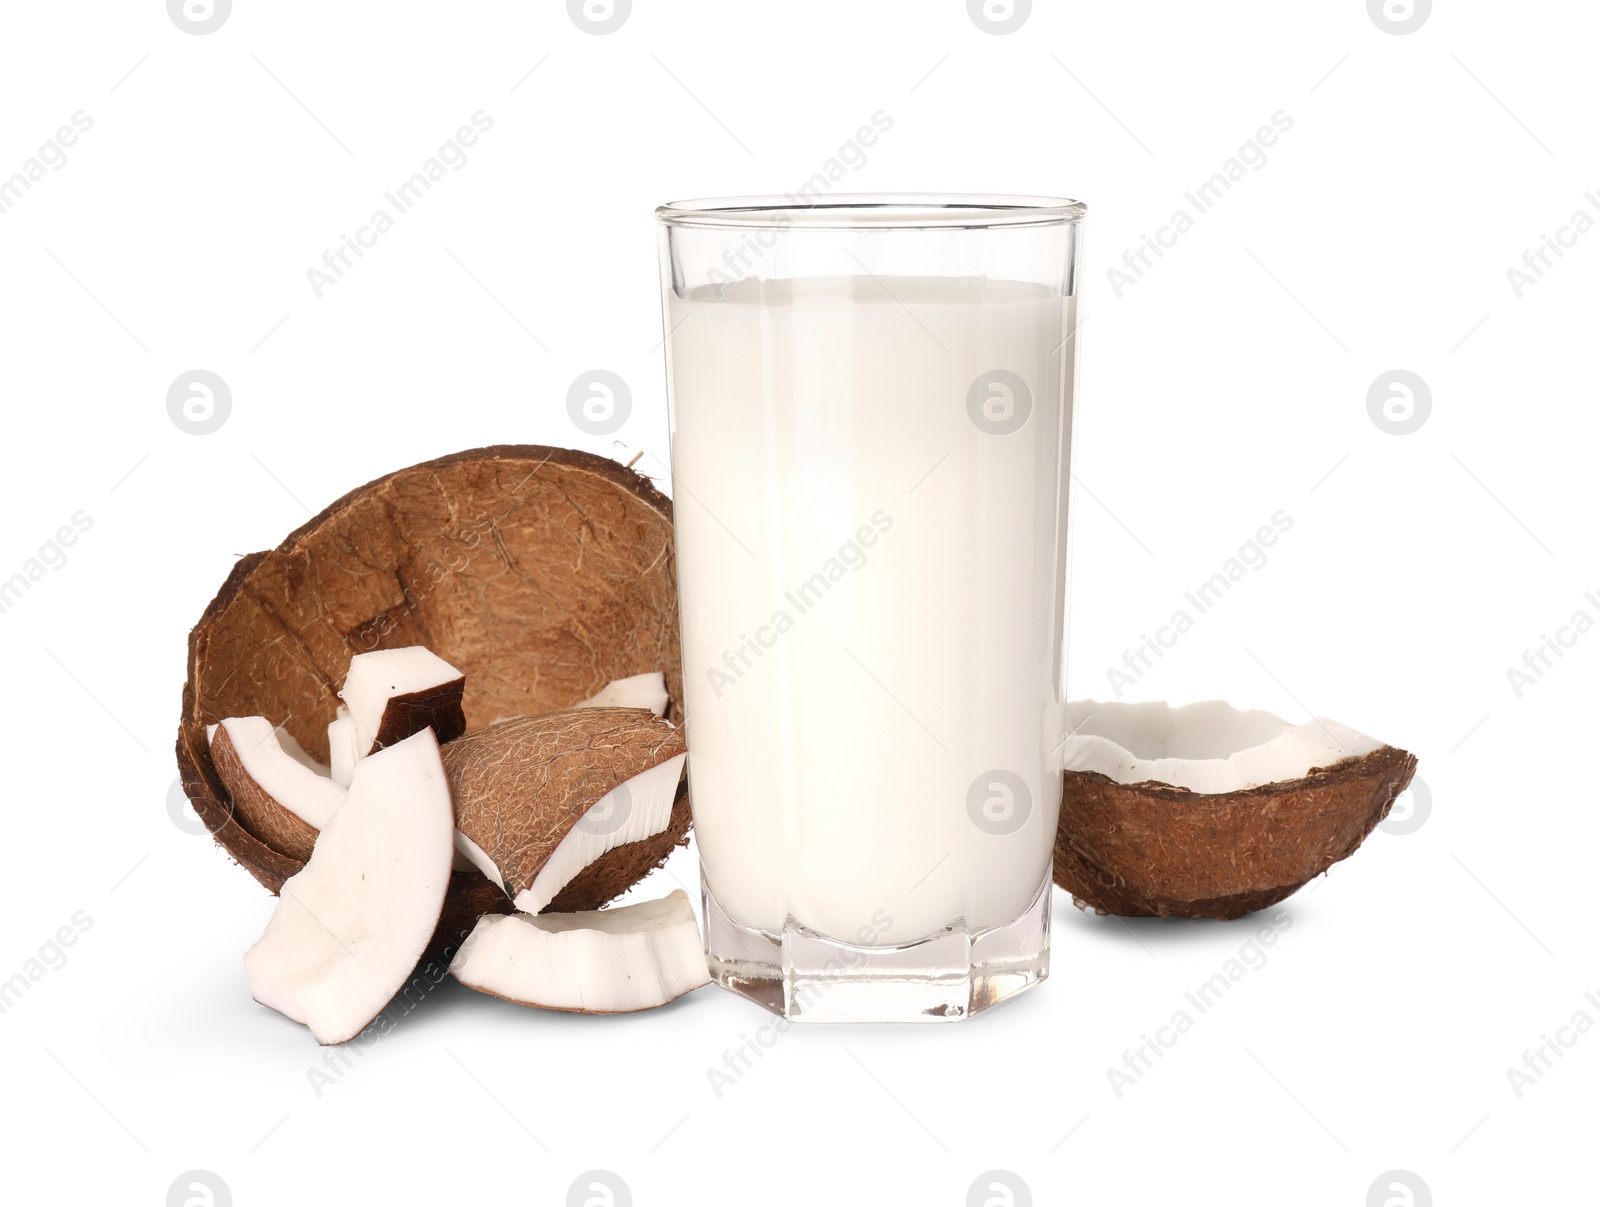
(543, 574)
(1157, 849)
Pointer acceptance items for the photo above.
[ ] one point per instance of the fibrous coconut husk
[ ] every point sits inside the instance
(542, 574)
(1153, 850)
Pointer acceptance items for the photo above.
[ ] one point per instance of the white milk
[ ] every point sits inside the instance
(869, 586)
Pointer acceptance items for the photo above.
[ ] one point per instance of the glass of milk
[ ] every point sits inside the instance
(871, 407)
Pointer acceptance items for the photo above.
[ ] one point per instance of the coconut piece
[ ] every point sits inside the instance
(342, 753)
(636, 691)
(522, 786)
(393, 694)
(613, 961)
(1206, 811)
(632, 811)
(348, 930)
(278, 791)
(541, 573)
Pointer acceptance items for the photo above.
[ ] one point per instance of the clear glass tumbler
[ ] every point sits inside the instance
(871, 403)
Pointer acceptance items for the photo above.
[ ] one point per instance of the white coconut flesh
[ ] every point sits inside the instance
(377, 677)
(635, 809)
(282, 769)
(349, 927)
(1209, 747)
(342, 752)
(637, 691)
(610, 961)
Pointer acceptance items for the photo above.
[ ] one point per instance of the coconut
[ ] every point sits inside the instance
(540, 798)
(275, 785)
(614, 961)
(541, 574)
(349, 928)
(392, 694)
(636, 691)
(1206, 811)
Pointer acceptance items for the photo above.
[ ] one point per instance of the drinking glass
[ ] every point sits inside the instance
(871, 409)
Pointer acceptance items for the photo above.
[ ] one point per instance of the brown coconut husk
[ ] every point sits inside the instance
(541, 573)
(1154, 850)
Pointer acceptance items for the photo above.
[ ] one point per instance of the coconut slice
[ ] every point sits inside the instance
(348, 930)
(523, 787)
(278, 791)
(393, 694)
(636, 691)
(1206, 811)
(611, 961)
(342, 753)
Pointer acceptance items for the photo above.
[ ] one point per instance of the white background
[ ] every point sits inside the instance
(1230, 382)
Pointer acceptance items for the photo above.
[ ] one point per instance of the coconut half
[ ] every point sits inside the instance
(1207, 811)
(636, 691)
(277, 789)
(612, 961)
(541, 573)
(348, 930)
(538, 799)
(392, 694)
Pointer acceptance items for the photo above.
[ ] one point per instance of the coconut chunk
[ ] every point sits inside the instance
(1207, 747)
(637, 691)
(350, 927)
(1206, 811)
(277, 790)
(521, 787)
(634, 810)
(610, 961)
(393, 694)
(342, 753)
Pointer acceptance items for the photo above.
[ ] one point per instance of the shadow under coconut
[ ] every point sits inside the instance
(1073, 925)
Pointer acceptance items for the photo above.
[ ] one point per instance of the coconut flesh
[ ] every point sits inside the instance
(1208, 747)
(613, 961)
(348, 929)
(274, 784)
(342, 753)
(1207, 811)
(636, 691)
(392, 694)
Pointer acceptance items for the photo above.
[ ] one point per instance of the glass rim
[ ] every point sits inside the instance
(875, 211)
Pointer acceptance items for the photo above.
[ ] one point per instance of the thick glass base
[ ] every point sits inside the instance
(949, 976)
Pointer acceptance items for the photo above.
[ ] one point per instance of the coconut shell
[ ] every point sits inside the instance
(259, 811)
(519, 786)
(1153, 850)
(542, 574)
